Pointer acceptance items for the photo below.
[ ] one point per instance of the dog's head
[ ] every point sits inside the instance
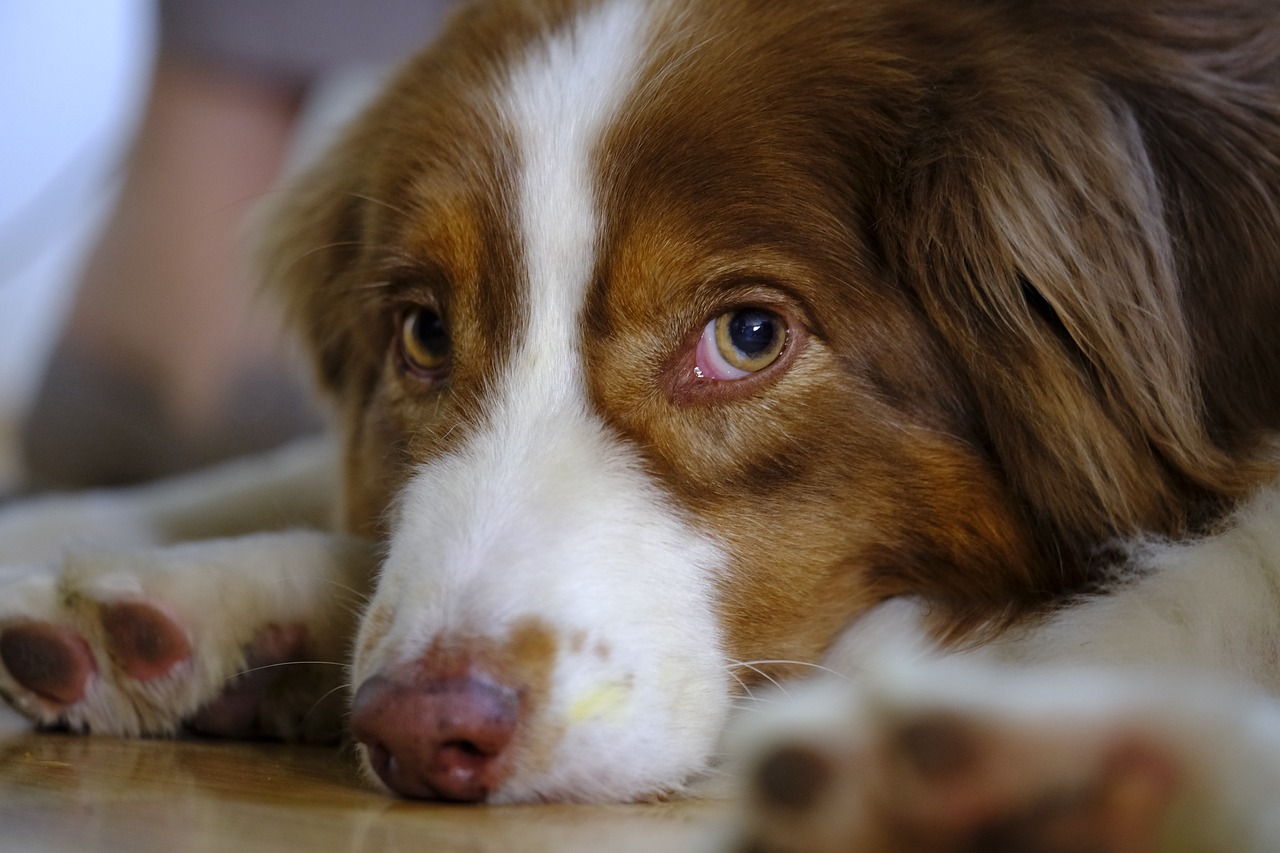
(669, 338)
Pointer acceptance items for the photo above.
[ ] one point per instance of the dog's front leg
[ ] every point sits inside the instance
(1143, 719)
(190, 601)
(955, 755)
(239, 636)
(294, 487)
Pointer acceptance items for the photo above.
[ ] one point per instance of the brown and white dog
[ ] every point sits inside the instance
(675, 341)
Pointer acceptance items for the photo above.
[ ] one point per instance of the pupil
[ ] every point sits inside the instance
(429, 330)
(752, 332)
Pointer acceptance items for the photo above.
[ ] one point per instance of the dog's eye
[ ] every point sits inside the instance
(741, 342)
(423, 344)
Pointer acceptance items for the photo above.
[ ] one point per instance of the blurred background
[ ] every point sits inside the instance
(73, 76)
(138, 137)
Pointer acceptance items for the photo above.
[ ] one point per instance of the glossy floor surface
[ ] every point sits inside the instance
(62, 793)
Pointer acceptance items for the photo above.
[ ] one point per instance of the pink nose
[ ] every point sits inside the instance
(437, 738)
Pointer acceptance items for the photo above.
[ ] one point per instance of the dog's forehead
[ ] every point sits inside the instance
(555, 106)
(489, 179)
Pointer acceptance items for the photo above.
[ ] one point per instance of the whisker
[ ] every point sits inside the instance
(267, 666)
(745, 689)
(761, 673)
(357, 601)
(320, 701)
(814, 666)
(355, 593)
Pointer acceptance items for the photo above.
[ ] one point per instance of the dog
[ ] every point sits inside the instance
(678, 349)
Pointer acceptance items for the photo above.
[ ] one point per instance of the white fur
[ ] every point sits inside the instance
(1044, 729)
(1209, 605)
(223, 591)
(196, 546)
(294, 486)
(1203, 605)
(544, 515)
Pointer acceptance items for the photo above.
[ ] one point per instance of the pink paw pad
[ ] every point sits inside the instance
(143, 640)
(52, 662)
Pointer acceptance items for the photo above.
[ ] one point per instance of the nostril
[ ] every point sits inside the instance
(437, 738)
(465, 749)
(461, 759)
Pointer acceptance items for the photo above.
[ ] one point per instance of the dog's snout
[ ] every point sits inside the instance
(437, 738)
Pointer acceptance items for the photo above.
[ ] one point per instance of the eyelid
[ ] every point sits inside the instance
(694, 380)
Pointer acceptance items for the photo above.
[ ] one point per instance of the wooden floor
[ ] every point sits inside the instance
(65, 793)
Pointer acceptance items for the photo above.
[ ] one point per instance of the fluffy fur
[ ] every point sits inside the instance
(1026, 259)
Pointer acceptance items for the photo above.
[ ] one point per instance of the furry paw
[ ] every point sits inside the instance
(232, 637)
(961, 759)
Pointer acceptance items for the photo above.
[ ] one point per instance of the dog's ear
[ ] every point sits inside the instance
(1044, 232)
(308, 251)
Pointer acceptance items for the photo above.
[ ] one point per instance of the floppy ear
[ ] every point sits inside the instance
(308, 254)
(1039, 233)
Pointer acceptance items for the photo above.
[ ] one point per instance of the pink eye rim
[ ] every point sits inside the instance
(741, 342)
(708, 361)
(686, 383)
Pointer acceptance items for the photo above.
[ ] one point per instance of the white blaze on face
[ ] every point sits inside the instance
(543, 514)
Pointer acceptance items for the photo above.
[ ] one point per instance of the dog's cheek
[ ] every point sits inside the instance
(909, 513)
(390, 429)
(371, 475)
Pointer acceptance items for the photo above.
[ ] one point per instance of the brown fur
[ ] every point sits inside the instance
(1031, 253)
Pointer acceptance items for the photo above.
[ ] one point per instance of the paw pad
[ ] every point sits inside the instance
(939, 748)
(792, 777)
(142, 640)
(50, 661)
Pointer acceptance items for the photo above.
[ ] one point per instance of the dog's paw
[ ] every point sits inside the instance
(999, 764)
(234, 637)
